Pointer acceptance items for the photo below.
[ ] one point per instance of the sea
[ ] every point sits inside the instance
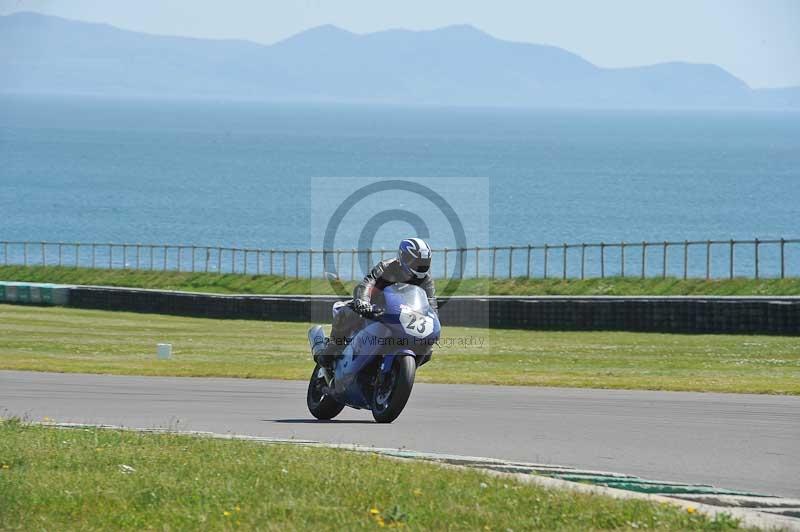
(272, 176)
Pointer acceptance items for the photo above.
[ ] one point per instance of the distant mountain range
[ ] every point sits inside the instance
(455, 65)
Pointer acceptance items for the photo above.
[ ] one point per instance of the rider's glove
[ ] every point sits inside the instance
(361, 306)
(366, 309)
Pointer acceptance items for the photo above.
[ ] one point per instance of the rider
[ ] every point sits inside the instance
(412, 266)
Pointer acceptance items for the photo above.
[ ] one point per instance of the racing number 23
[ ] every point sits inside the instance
(415, 323)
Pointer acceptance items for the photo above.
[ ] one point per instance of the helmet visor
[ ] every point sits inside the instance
(418, 265)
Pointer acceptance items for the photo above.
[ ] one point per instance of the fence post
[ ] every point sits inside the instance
(602, 260)
(152, 256)
(564, 265)
(311, 264)
(444, 274)
(194, 252)
(731, 259)
(510, 259)
(44, 259)
(708, 260)
(528, 263)
(110, 256)
(664, 262)
(208, 258)
(180, 252)
(622, 259)
(477, 262)
(462, 262)
(297, 264)
(94, 246)
(246, 252)
(583, 259)
(644, 259)
(338, 263)
(546, 249)
(77, 255)
(353, 265)
(60, 247)
(166, 248)
(685, 259)
(494, 260)
(783, 268)
(138, 249)
(271, 253)
(756, 257)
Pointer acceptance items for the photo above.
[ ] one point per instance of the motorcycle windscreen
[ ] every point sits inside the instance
(408, 295)
(410, 315)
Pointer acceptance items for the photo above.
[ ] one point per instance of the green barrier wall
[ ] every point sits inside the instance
(33, 293)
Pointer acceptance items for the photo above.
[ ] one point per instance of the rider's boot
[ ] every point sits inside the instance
(317, 341)
(334, 345)
(337, 341)
(327, 355)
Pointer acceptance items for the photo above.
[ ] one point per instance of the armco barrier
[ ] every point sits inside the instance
(747, 315)
(691, 314)
(33, 293)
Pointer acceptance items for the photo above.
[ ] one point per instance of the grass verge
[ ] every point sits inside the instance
(94, 479)
(265, 284)
(90, 341)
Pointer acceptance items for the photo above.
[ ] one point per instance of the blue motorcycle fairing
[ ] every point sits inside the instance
(357, 355)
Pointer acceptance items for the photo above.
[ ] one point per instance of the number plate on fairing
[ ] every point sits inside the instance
(415, 323)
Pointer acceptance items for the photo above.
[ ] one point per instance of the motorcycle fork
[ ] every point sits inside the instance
(326, 374)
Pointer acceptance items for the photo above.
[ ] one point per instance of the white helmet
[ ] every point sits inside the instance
(415, 257)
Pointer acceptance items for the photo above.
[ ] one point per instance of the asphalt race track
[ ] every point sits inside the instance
(746, 442)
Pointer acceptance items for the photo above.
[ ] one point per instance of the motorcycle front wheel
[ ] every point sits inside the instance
(392, 393)
(320, 405)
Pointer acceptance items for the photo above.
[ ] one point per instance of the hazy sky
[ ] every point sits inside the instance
(756, 40)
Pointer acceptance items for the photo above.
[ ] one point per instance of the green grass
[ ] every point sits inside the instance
(89, 341)
(94, 479)
(264, 284)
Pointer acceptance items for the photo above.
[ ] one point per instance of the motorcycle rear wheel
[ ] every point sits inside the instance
(391, 396)
(320, 405)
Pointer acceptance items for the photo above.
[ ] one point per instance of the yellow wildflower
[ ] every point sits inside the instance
(691, 510)
(374, 511)
(417, 492)
(226, 513)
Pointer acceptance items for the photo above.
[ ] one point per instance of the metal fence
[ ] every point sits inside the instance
(773, 258)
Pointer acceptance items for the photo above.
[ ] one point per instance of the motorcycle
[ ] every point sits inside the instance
(377, 366)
